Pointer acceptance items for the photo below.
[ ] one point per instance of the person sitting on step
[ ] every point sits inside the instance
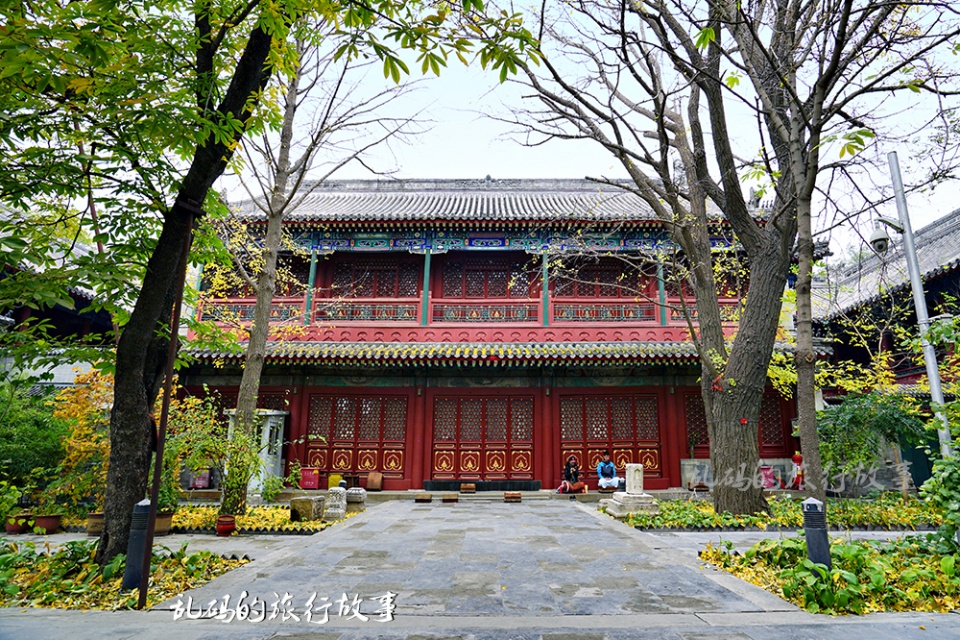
(571, 478)
(607, 473)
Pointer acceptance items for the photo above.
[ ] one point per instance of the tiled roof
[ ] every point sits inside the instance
(476, 353)
(938, 252)
(462, 200)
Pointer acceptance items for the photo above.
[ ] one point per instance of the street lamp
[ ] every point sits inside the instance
(880, 241)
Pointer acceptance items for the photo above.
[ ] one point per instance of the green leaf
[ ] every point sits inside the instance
(732, 79)
(705, 37)
(948, 565)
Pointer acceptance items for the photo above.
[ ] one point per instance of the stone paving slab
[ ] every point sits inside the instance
(157, 625)
(543, 570)
(539, 558)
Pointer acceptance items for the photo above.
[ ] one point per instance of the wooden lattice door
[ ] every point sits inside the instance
(482, 438)
(626, 425)
(356, 433)
(773, 428)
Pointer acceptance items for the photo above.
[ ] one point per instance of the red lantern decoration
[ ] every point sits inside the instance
(797, 472)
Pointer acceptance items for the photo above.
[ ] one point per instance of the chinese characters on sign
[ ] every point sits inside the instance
(315, 610)
(861, 478)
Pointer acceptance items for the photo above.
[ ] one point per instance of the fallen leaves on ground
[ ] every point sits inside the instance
(888, 511)
(259, 518)
(68, 578)
(914, 573)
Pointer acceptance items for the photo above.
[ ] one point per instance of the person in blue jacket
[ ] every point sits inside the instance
(607, 473)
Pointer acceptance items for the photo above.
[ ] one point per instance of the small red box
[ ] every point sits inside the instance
(309, 478)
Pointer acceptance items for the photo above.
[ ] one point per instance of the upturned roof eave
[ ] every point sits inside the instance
(476, 354)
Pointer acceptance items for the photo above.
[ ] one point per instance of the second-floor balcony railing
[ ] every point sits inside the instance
(241, 310)
(729, 310)
(605, 311)
(485, 311)
(367, 310)
(452, 310)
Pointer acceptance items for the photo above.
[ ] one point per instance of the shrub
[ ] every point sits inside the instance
(81, 477)
(68, 577)
(853, 434)
(917, 573)
(31, 436)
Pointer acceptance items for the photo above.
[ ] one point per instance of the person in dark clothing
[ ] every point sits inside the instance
(571, 478)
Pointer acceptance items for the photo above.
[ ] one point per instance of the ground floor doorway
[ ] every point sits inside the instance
(414, 433)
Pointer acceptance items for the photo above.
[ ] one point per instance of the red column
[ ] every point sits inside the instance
(673, 428)
(546, 448)
(300, 423)
(416, 439)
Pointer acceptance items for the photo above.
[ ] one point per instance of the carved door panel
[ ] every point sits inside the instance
(482, 437)
(626, 425)
(357, 433)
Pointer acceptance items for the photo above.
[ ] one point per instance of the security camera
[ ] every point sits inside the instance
(893, 224)
(880, 240)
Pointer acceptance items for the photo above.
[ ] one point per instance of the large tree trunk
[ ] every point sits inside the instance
(733, 402)
(733, 448)
(141, 354)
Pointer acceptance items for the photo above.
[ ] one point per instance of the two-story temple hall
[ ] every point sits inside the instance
(482, 330)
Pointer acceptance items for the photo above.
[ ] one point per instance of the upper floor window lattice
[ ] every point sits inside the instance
(376, 278)
(608, 278)
(485, 277)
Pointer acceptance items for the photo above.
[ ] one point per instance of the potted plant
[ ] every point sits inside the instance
(50, 511)
(226, 525)
(95, 523)
(168, 498)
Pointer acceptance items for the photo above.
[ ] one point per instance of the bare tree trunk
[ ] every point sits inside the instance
(733, 445)
(733, 400)
(284, 186)
(814, 480)
(235, 492)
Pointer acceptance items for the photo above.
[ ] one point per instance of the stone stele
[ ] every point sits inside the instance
(336, 504)
(633, 500)
(634, 478)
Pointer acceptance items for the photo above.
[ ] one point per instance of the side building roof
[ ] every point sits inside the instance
(938, 253)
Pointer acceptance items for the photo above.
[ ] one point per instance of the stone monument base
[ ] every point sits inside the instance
(623, 504)
(356, 500)
(304, 508)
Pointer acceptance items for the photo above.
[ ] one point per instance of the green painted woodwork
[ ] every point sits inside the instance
(425, 305)
(313, 278)
(662, 289)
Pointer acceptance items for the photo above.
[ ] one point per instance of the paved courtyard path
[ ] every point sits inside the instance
(542, 569)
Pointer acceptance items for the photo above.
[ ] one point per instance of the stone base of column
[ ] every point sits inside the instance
(623, 504)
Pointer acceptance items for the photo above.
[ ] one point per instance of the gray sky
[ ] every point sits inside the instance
(463, 143)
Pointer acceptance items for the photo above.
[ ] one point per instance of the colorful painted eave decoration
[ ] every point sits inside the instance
(534, 241)
(471, 354)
